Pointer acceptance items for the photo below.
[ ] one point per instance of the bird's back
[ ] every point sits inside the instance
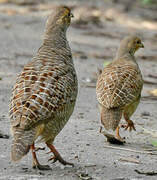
(45, 85)
(119, 83)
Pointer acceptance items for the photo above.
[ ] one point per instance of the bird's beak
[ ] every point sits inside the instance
(71, 15)
(141, 45)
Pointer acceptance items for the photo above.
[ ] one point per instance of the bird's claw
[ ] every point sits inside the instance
(53, 159)
(130, 126)
(119, 138)
(49, 152)
(62, 161)
(41, 167)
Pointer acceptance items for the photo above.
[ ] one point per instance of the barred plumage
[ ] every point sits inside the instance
(45, 92)
(119, 85)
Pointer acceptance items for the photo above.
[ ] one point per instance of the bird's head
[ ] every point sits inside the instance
(133, 44)
(130, 45)
(59, 18)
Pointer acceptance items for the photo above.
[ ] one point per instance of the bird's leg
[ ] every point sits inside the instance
(57, 156)
(36, 164)
(111, 138)
(128, 112)
(130, 124)
(118, 135)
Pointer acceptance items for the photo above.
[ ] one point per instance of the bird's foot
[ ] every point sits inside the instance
(114, 139)
(111, 138)
(120, 139)
(41, 167)
(57, 156)
(130, 126)
(36, 164)
(60, 159)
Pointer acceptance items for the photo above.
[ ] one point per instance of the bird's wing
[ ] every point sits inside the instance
(119, 84)
(41, 89)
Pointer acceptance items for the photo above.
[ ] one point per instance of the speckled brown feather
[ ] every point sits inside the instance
(40, 90)
(44, 95)
(118, 86)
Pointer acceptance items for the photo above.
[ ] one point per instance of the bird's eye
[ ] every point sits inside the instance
(69, 14)
(138, 42)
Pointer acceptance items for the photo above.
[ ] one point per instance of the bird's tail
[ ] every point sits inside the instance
(110, 118)
(21, 143)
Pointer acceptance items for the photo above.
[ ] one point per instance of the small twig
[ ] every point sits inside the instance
(149, 173)
(155, 149)
(152, 76)
(149, 98)
(149, 82)
(90, 165)
(90, 85)
(131, 150)
(100, 130)
(129, 159)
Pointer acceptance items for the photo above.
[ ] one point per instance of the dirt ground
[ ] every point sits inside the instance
(94, 36)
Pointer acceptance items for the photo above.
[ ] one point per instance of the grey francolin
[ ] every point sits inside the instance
(45, 92)
(119, 87)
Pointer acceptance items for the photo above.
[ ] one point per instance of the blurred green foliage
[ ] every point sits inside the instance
(146, 1)
(106, 63)
(154, 143)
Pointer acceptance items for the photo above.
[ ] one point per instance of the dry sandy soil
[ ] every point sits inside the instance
(94, 36)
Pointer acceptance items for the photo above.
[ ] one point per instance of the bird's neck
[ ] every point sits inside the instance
(124, 52)
(55, 41)
(55, 37)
